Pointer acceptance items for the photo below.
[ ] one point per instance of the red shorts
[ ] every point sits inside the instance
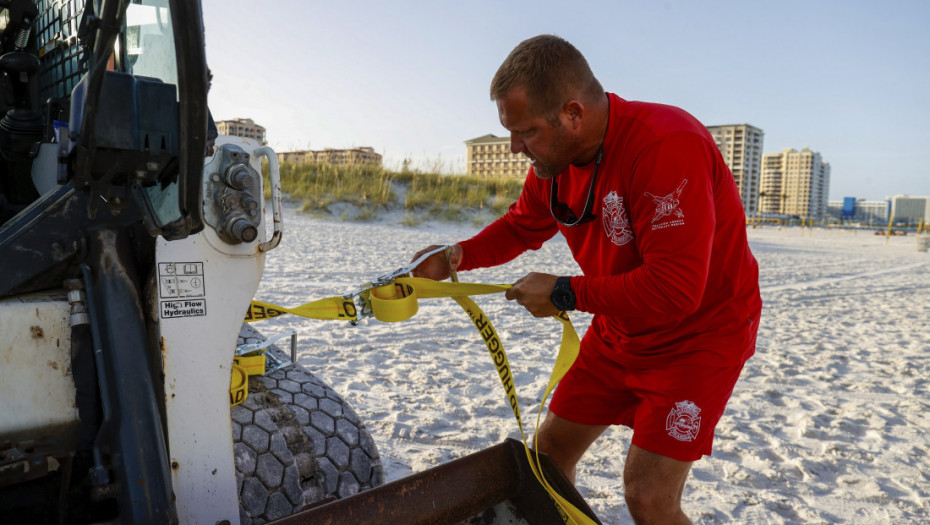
(672, 410)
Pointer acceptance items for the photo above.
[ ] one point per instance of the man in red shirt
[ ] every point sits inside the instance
(653, 217)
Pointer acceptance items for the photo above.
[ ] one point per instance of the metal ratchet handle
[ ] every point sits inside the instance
(364, 309)
(404, 270)
(248, 348)
(453, 275)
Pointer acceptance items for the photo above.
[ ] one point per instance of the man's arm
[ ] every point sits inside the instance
(525, 226)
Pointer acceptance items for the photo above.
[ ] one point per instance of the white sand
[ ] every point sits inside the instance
(828, 424)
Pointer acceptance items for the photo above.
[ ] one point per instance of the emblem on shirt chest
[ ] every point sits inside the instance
(684, 421)
(616, 223)
(668, 210)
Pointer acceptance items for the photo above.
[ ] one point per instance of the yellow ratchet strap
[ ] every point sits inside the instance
(398, 301)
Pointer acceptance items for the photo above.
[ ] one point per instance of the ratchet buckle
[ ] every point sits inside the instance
(362, 295)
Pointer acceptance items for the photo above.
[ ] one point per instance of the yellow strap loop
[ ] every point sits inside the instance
(398, 302)
(394, 302)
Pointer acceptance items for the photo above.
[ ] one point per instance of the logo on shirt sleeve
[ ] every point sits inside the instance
(684, 422)
(668, 206)
(616, 223)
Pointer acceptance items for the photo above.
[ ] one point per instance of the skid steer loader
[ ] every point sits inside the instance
(132, 240)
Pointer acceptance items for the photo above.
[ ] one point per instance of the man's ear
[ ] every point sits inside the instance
(574, 112)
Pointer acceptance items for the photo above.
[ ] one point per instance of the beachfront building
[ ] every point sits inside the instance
(334, 157)
(490, 155)
(772, 195)
(741, 147)
(909, 210)
(860, 210)
(242, 127)
(794, 183)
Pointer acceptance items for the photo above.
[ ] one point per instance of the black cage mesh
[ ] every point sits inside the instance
(60, 53)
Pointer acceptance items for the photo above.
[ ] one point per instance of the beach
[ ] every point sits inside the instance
(828, 423)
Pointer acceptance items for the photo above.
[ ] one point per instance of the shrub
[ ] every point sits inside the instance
(373, 189)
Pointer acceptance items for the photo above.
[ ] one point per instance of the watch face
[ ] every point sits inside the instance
(562, 296)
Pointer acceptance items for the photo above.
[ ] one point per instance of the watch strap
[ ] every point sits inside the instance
(563, 297)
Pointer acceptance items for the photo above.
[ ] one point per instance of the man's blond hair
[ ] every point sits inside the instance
(551, 70)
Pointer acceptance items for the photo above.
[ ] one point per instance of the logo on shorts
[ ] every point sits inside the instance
(616, 223)
(683, 422)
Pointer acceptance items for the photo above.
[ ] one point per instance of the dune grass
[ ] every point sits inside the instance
(372, 190)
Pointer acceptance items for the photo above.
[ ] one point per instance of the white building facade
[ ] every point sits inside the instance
(909, 210)
(242, 127)
(860, 210)
(794, 183)
(741, 147)
(490, 155)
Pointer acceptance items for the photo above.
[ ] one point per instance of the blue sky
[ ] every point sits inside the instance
(850, 79)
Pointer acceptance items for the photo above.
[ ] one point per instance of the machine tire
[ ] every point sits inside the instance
(297, 442)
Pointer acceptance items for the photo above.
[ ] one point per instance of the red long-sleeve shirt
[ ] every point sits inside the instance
(668, 273)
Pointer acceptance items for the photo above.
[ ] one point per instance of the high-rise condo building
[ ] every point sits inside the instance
(741, 147)
(794, 183)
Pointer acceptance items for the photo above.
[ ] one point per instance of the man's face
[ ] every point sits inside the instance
(551, 147)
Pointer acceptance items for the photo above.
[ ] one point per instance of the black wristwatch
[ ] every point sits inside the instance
(562, 295)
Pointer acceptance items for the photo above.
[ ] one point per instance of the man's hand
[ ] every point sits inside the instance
(438, 265)
(532, 291)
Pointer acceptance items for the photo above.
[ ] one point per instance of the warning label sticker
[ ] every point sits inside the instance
(182, 283)
(180, 280)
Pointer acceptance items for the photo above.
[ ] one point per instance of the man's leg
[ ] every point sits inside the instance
(565, 442)
(653, 485)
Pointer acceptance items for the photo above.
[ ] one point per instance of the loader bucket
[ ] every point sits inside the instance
(486, 486)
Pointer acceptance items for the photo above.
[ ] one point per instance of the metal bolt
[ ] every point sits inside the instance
(238, 176)
(243, 230)
(248, 202)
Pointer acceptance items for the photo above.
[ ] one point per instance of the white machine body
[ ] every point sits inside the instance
(199, 297)
(205, 285)
(36, 386)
